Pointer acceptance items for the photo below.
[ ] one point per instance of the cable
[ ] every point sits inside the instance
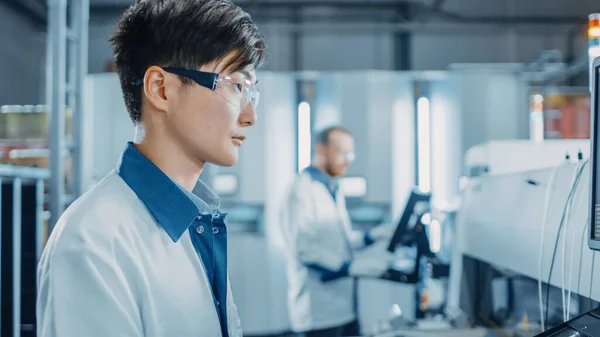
(570, 286)
(567, 311)
(564, 259)
(558, 234)
(592, 274)
(562, 220)
(544, 217)
(583, 236)
(579, 158)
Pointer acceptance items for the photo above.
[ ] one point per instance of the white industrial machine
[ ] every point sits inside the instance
(500, 157)
(528, 219)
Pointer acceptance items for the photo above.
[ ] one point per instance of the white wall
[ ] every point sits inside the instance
(363, 102)
(493, 103)
(22, 55)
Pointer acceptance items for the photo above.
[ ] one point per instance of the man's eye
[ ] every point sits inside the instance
(238, 86)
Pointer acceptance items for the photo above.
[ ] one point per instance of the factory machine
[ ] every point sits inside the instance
(526, 236)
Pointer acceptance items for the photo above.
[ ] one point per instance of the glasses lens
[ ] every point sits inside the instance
(239, 95)
(350, 156)
(250, 95)
(255, 96)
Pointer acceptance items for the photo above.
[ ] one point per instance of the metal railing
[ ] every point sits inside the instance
(18, 174)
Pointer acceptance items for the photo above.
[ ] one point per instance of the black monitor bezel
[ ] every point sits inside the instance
(415, 197)
(593, 243)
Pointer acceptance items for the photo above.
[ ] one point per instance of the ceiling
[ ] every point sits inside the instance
(471, 7)
(504, 12)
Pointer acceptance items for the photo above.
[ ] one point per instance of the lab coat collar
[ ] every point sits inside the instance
(330, 183)
(173, 207)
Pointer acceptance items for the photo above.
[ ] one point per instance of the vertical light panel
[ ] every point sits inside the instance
(304, 138)
(435, 236)
(424, 144)
(536, 118)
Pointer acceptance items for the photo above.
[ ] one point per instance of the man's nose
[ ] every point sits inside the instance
(248, 116)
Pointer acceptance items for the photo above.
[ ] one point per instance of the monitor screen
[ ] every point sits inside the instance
(594, 233)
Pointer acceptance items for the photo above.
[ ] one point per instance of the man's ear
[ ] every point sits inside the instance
(155, 83)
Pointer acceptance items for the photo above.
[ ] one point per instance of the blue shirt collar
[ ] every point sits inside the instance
(330, 183)
(171, 205)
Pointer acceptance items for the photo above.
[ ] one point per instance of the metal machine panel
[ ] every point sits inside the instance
(500, 223)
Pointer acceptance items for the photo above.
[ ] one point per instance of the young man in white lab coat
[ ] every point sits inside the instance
(321, 265)
(144, 253)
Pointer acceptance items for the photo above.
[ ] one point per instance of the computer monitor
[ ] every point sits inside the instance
(402, 229)
(405, 236)
(594, 228)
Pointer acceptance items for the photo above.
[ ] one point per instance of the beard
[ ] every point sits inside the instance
(330, 170)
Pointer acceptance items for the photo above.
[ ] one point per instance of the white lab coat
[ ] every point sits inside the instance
(110, 270)
(317, 230)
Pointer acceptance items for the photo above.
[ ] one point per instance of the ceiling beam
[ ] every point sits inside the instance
(34, 10)
(259, 11)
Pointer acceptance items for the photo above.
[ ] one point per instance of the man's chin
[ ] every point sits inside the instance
(226, 161)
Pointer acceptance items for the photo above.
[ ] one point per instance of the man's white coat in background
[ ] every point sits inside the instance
(317, 231)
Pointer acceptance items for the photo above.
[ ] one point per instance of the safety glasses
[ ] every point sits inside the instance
(238, 92)
(345, 155)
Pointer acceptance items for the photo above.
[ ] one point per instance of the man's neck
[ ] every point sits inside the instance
(171, 159)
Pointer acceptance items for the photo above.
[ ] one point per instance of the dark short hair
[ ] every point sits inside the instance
(181, 33)
(323, 135)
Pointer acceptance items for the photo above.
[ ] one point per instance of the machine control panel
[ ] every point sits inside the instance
(597, 223)
(594, 228)
(586, 325)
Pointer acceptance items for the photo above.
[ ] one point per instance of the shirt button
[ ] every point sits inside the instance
(199, 217)
(215, 230)
(200, 229)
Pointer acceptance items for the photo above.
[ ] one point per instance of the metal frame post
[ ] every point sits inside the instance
(39, 219)
(16, 248)
(57, 28)
(17, 174)
(0, 249)
(80, 19)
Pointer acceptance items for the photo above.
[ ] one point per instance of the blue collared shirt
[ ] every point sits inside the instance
(330, 183)
(178, 210)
